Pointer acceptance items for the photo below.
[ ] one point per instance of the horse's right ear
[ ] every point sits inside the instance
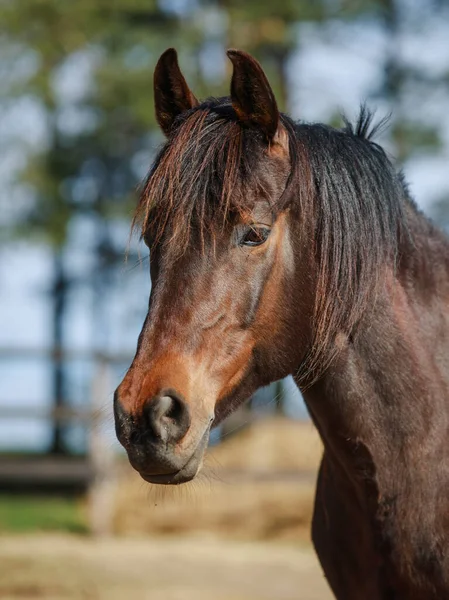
(172, 95)
(251, 94)
(254, 102)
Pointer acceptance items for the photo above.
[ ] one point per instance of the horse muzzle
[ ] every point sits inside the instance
(160, 441)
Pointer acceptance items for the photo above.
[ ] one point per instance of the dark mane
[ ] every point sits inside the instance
(200, 175)
(358, 212)
(365, 127)
(347, 191)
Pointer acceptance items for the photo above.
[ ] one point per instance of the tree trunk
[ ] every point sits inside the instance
(59, 296)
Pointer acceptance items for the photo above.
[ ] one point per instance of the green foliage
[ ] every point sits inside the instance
(411, 136)
(96, 132)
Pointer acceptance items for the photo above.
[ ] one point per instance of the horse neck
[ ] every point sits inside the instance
(382, 411)
(382, 405)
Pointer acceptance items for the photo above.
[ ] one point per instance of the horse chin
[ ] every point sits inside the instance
(188, 472)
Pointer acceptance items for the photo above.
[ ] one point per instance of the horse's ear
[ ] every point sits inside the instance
(172, 95)
(252, 97)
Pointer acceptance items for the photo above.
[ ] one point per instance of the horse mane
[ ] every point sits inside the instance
(343, 184)
(357, 203)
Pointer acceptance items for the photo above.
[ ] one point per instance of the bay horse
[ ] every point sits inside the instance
(284, 248)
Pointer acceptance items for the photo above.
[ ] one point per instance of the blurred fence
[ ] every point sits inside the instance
(93, 470)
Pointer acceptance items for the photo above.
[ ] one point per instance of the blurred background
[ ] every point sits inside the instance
(77, 136)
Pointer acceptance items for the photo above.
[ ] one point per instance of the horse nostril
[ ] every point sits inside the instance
(168, 417)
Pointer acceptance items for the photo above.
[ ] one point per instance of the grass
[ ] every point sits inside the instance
(39, 513)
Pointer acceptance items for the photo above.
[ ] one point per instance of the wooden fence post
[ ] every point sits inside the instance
(103, 487)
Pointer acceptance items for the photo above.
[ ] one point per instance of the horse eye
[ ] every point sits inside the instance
(255, 236)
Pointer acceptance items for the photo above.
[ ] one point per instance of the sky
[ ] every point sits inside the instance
(335, 69)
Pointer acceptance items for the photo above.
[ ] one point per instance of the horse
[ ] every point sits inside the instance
(281, 247)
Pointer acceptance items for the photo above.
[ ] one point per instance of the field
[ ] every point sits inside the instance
(61, 567)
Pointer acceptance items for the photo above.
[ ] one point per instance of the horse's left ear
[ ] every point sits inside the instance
(253, 99)
(172, 95)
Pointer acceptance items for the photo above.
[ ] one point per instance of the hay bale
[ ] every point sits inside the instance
(277, 444)
(257, 485)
